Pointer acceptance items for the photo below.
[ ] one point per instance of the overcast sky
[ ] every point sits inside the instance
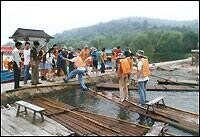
(56, 17)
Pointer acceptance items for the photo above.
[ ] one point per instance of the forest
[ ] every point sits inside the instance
(154, 36)
(161, 40)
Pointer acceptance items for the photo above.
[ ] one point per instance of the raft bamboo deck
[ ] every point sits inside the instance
(114, 86)
(179, 82)
(188, 121)
(85, 123)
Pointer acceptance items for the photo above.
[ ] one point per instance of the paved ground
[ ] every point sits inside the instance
(10, 86)
(184, 65)
(22, 125)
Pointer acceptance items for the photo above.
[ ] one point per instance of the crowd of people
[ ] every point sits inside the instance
(68, 63)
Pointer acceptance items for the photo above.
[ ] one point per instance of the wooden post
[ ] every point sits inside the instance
(18, 111)
(195, 57)
(34, 114)
(41, 113)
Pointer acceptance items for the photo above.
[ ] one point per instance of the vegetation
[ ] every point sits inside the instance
(158, 38)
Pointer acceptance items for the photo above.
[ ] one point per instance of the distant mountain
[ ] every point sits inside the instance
(131, 24)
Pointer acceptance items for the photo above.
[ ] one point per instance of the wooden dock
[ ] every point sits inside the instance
(188, 121)
(22, 126)
(86, 123)
(115, 86)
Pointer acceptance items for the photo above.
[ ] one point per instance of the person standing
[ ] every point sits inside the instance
(129, 57)
(94, 55)
(34, 63)
(118, 52)
(55, 53)
(6, 62)
(103, 60)
(85, 53)
(113, 59)
(143, 73)
(49, 65)
(16, 64)
(70, 55)
(61, 63)
(42, 58)
(27, 65)
(124, 70)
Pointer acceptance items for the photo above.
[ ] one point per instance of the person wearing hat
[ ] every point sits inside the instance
(34, 63)
(94, 55)
(16, 64)
(143, 73)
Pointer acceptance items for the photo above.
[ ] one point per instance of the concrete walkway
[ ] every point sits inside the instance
(9, 86)
(22, 125)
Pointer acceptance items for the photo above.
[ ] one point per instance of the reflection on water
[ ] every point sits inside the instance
(85, 101)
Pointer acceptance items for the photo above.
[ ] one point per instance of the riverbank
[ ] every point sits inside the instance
(182, 70)
(70, 93)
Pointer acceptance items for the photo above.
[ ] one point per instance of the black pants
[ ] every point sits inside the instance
(103, 67)
(16, 70)
(71, 66)
(95, 64)
(64, 68)
(117, 64)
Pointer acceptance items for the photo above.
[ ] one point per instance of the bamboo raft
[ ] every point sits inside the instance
(181, 119)
(115, 86)
(183, 82)
(85, 123)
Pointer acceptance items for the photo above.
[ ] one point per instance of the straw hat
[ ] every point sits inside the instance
(93, 48)
(140, 53)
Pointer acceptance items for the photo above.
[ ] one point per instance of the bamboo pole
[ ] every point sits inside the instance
(91, 120)
(178, 83)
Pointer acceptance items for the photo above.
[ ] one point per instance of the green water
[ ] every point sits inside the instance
(86, 101)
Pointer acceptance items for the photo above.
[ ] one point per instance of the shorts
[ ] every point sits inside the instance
(48, 66)
(41, 66)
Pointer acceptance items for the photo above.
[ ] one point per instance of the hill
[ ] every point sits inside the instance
(151, 35)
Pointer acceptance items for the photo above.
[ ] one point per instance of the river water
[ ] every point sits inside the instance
(78, 98)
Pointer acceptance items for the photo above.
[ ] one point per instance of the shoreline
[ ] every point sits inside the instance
(184, 64)
(181, 61)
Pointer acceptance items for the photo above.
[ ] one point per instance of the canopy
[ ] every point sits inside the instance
(30, 35)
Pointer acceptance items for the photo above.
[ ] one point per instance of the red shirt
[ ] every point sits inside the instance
(118, 51)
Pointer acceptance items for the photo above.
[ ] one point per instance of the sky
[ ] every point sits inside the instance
(57, 16)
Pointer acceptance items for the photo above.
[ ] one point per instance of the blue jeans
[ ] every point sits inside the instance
(80, 73)
(27, 74)
(142, 91)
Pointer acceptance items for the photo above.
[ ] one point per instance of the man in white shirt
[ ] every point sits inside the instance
(16, 64)
(27, 64)
(143, 73)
